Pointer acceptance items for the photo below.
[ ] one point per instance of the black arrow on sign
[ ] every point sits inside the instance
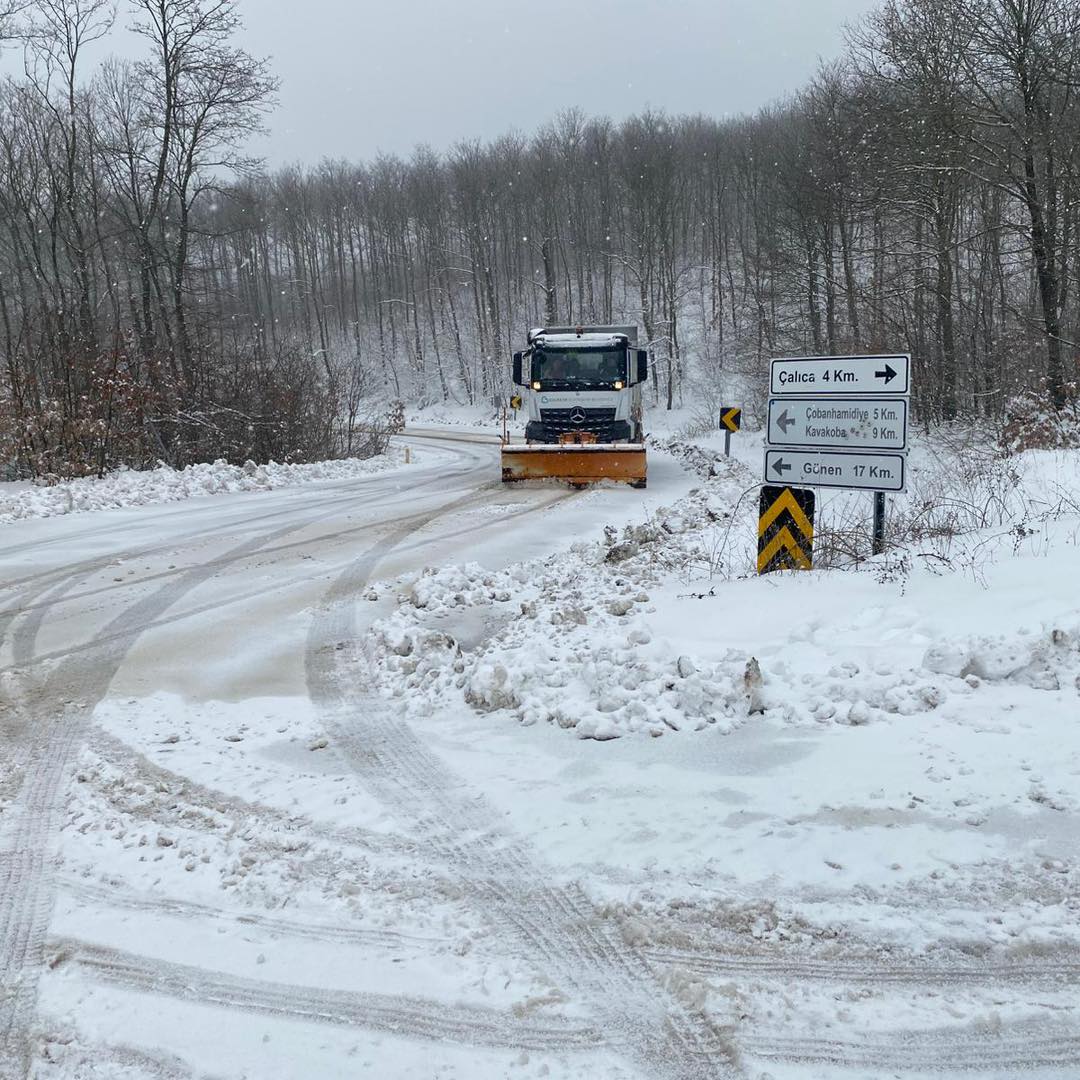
(888, 374)
(783, 421)
(780, 468)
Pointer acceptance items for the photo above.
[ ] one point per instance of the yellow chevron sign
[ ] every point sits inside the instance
(785, 529)
(731, 418)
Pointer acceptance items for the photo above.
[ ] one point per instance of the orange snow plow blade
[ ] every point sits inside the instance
(578, 463)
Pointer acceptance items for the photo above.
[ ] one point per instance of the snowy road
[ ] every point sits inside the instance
(230, 622)
(224, 854)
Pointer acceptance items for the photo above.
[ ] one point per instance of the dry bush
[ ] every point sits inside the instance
(1032, 423)
(99, 422)
(968, 496)
(952, 516)
(122, 410)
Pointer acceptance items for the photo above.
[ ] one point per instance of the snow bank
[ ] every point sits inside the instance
(595, 640)
(126, 487)
(571, 644)
(571, 654)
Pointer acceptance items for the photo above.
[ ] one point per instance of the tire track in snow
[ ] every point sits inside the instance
(157, 549)
(73, 1056)
(243, 812)
(212, 566)
(425, 1018)
(557, 927)
(295, 495)
(1048, 974)
(327, 933)
(300, 498)
(27, 842)
(988, 1050)
(29, 598)
(13, 712)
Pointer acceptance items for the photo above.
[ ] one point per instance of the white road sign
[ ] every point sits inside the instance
(844, 423)
(835, 469)
(841, 375)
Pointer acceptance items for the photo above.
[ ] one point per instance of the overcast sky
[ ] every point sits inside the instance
(363, 76)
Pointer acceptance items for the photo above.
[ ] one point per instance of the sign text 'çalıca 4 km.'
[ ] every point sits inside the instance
(841, 375)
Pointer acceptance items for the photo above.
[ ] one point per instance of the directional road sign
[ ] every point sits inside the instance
(841, 375)
(731, 417)
(785, 529)
(836, 469)
(841, 422)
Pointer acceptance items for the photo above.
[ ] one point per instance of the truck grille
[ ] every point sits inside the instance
(601, 422)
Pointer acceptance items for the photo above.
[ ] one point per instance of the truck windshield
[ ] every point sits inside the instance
(579, 365)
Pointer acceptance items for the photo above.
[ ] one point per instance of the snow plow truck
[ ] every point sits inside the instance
(580, 390)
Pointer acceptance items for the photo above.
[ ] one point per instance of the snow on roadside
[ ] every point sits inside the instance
(571, 637)
(127, 487)
(866, 784)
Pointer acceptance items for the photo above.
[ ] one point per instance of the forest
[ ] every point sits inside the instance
(164, 297)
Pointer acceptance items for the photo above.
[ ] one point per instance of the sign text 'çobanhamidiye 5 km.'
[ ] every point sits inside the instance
(845, 423)
(867, 471)
(889, 374)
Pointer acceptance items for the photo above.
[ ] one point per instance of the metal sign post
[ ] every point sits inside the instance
(879, 522)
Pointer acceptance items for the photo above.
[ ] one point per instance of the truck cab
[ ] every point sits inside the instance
(582, 380)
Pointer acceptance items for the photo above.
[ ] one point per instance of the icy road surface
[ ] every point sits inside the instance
(250, 826)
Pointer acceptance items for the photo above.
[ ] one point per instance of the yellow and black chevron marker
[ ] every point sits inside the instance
(515, 402)
(731, 418)
(785, 529)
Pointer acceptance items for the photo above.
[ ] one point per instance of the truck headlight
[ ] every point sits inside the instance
(618, 386)
(536, 385)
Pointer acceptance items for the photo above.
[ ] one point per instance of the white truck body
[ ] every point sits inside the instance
(580, 389)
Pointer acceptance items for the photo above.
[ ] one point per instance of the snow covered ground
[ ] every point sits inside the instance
(411, 775)
(867, 779)
(125, 487)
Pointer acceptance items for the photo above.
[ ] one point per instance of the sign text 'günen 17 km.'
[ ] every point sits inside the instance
(867, 471)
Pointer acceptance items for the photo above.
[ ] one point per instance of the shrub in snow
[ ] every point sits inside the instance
(1032, 423)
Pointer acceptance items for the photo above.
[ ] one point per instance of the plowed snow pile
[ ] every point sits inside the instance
(587, 640)
(127, 487)
(572, 639)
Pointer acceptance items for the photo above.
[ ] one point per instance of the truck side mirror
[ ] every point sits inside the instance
(642, 365)
(517, 369)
